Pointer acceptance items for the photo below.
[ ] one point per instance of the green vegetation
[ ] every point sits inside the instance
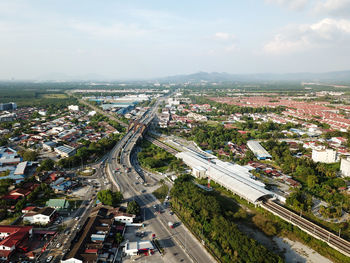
(161, 192)
(4, 173)
(4, 185)
(46, 165)
(107, 197)
(213, 222)
(94, 122)
(330, 212)
(154, 158)
(133, 208)
(37, 94)
(54, 96)
(272, 225)
(29, 155)
(90, 152)
(317, 178)
(118, 238)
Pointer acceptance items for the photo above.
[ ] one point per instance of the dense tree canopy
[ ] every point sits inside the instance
(215, 224)
(133, 208)
(107, 197)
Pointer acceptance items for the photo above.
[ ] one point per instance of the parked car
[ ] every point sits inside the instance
(49, 259)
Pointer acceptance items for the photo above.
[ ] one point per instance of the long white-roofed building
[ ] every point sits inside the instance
(233, 177)
(258, 150)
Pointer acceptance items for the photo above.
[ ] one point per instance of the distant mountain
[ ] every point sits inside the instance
(336, 76)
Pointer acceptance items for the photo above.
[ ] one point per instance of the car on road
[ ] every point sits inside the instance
(77, 218)
(143, 191)
(58, 245)
(49, 259)
(154, 206)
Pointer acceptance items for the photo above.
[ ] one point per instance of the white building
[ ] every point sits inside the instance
(324, 156)
(128, 219)
(197, 117)
(42, 112)
(172, 102)
(258, 150)
(199, 171)
(65, 150)
(43, 216)
(73, 107)
(133, 248)
(92, 113)
(345, 167)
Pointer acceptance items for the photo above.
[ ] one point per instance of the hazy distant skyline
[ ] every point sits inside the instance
(144, 39)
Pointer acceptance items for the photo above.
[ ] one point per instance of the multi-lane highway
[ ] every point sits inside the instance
(179, 244)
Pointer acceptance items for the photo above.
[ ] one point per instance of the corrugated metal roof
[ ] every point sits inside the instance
(258, 150)
(234, 177)
(20, 168)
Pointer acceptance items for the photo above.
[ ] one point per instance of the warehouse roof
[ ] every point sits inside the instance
(258, 150)
(65, 148)
(20, 169)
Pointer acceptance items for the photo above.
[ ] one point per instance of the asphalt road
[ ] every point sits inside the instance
(179, 244)
(62, 242)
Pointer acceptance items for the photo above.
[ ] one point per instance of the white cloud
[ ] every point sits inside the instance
(290, 4)
(325, 33)
(118, 30)
(223, 36)
(339, 8)
(231, 48)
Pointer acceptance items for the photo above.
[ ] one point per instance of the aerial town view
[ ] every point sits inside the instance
(113, 150)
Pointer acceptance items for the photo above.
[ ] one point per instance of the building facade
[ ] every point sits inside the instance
(324, 156)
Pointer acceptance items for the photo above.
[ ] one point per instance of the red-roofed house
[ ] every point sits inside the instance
(28, 209)
(11, 237)
(20, 192)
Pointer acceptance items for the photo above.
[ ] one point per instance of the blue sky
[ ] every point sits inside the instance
(144, 39)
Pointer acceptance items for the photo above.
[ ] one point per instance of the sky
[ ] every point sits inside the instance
(136, 39)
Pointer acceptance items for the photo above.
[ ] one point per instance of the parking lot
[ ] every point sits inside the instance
(133, 234)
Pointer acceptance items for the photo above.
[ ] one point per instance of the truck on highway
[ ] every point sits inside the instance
(171, 224)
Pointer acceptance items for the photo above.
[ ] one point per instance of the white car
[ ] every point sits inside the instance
(58, 245)
(49, 259)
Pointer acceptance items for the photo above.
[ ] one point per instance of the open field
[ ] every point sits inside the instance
(54, 96)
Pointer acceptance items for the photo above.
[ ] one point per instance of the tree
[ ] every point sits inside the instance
(133, 208)
(311, 181)
(118, 238)
(46, 165)
(30, 155)
(107, 197)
